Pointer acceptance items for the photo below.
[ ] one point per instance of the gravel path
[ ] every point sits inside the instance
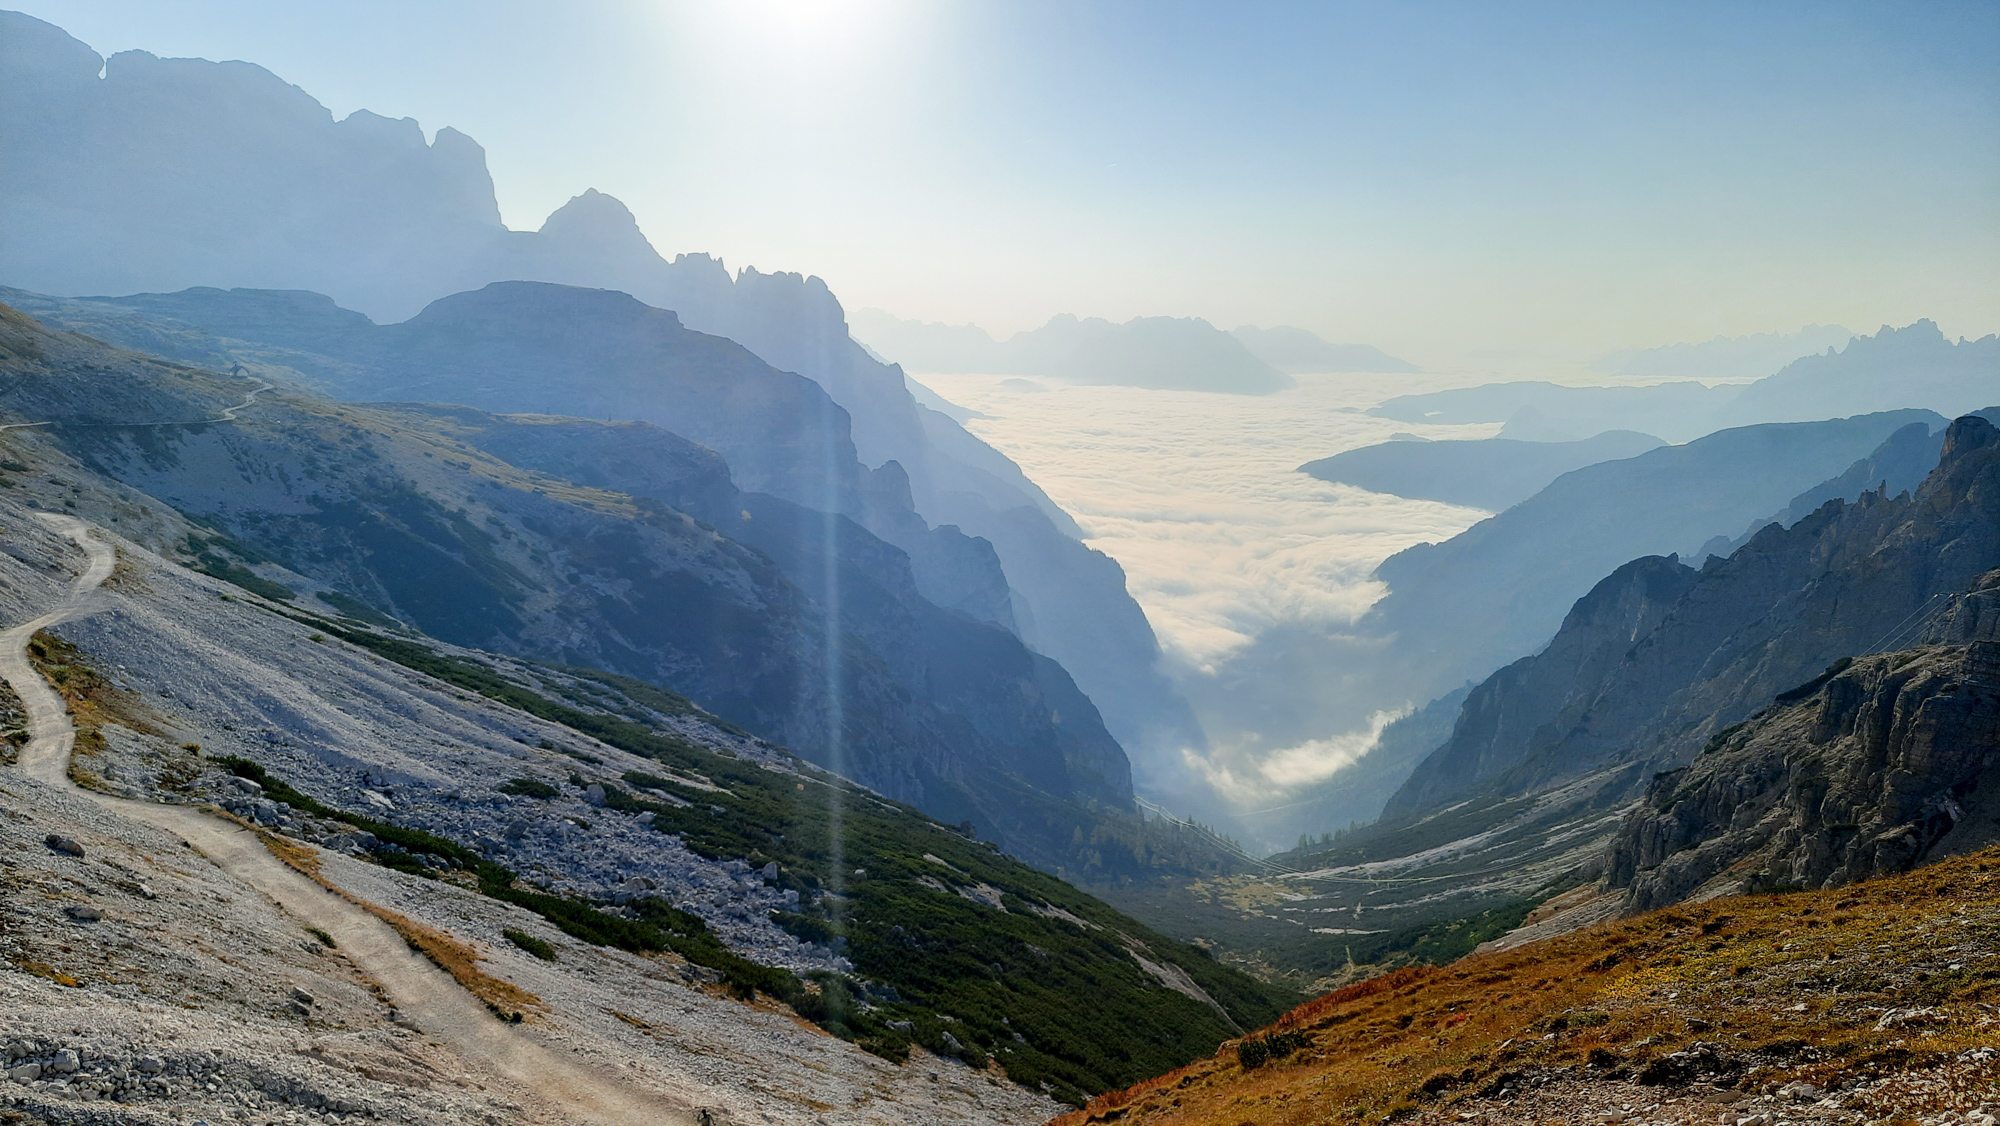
(424, 994)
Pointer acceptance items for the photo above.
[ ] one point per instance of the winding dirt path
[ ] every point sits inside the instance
(228, 414)
(425, 994)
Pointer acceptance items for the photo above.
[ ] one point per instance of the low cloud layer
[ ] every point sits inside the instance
(1198, 496)
(1251, 572)
(1247, 775)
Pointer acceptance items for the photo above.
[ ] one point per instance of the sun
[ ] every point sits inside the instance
(809, 33)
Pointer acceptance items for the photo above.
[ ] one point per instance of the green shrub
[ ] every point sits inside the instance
(529, 788)
(530, 943)
(1255, 1051)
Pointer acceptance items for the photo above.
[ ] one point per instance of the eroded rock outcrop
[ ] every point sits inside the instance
(1883, 765)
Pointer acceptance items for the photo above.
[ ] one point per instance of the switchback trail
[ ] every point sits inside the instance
(424, 993)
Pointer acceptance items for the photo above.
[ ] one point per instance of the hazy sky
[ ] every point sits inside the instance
(1436, 179)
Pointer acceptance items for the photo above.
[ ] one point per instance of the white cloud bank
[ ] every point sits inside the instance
(1245, 775)
(1251, 572)
(1197, 494)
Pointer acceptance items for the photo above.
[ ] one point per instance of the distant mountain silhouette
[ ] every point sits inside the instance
(261, 188)
(1296, 351)
(1166, 353)
(1914, 366)
(1492, 473)
(1725, 357)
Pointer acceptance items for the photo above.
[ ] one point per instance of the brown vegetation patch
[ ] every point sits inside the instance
(44, 970)
(507, 1000)
(93, 700)
(1835, 988)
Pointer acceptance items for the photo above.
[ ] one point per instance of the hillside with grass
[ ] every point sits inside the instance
(1872, 1002)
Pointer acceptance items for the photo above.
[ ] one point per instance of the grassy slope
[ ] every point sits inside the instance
(1045, 983)
(1785, 987)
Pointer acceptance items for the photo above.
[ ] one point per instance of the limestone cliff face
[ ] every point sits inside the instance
(1887, 764)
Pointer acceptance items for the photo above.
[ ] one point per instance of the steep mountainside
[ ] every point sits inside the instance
(549, 349)
(1502, 716)
(1493, 473)
(397, 517)
(262, 188)
(1870, 769)
(1661, 660)
(1459, 609)
(1547, 756)
(1864, 1004)
(1898, 465)
(839, 565)
(652, 860)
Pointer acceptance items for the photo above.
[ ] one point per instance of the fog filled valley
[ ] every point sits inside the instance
(460, 670)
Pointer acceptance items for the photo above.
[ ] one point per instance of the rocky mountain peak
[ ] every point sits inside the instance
(1966, 435)
(598, 219)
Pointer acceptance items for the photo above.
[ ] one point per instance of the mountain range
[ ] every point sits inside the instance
(530, 562)
(1725, 357)
(403, 514)
(1914, 366)
(1164, 353)
(262, 188)
(1297, 351)
(1757, 702)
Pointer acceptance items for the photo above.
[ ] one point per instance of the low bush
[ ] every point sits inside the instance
(530, 943)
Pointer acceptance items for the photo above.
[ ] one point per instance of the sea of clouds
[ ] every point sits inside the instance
(1240, 561)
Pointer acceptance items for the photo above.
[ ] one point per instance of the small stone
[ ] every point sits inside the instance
(151, 1065)
(594, 794)
(1799, 1092)
(63, 845)
(25, 1073)
(301, 996)
(65, 1062)
(83, 912)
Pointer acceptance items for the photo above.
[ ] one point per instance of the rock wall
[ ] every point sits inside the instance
(1888, 764)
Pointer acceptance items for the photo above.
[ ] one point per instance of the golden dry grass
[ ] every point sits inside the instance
(92, 700)
(1792, 986)
(459, 959)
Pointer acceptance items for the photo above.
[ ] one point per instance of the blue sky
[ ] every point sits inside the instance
(1463, 183)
